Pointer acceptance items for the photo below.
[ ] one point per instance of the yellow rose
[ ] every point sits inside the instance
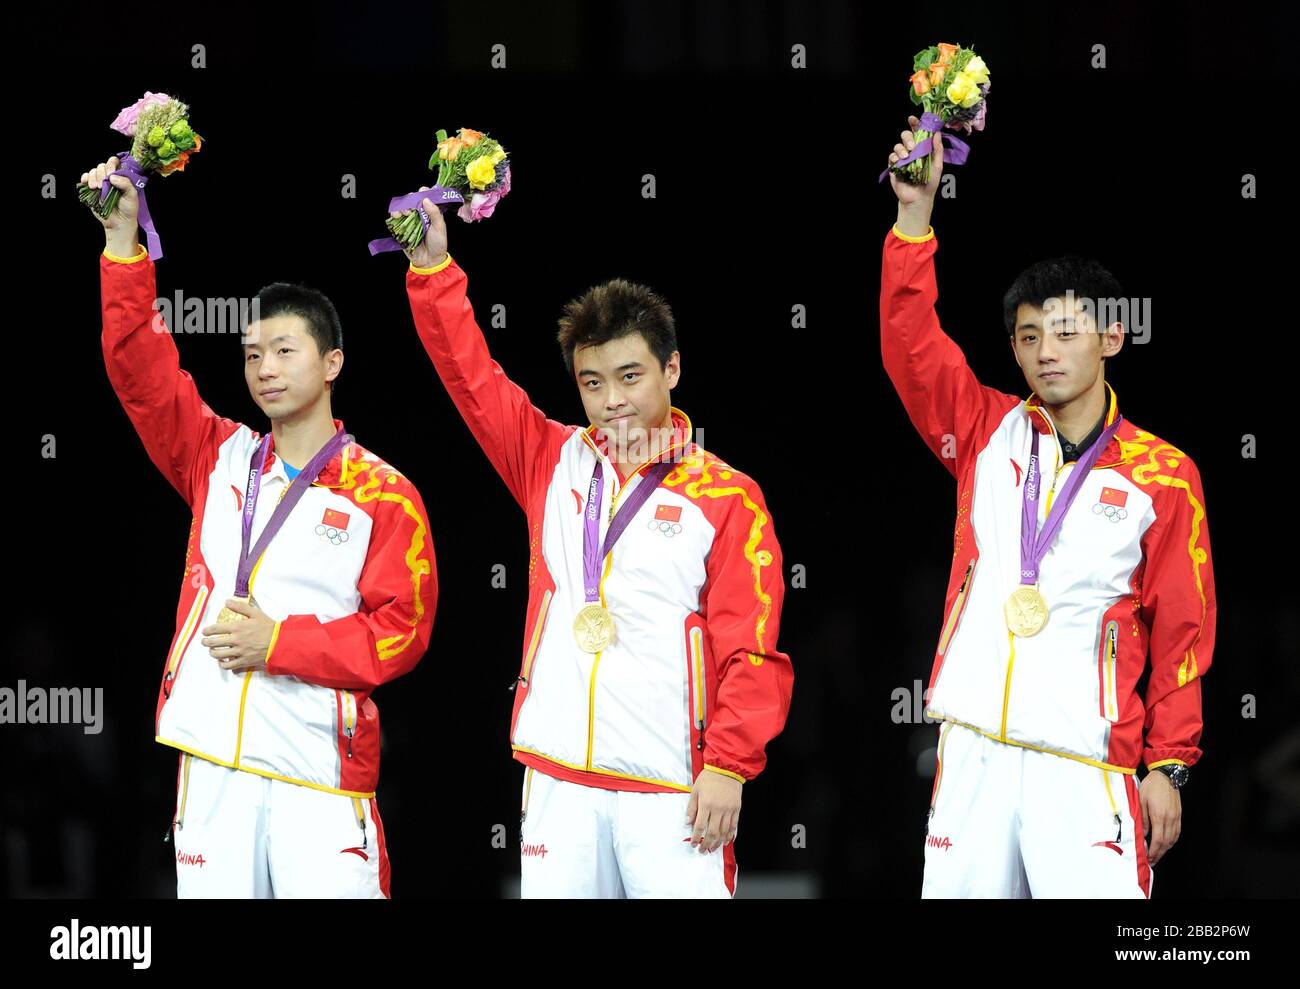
(481, 172)
(498, 154)
(977, 70)
(963, 91)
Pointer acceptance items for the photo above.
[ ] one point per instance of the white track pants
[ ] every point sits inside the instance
(589, 842)
(1010, 822)
(237, 834)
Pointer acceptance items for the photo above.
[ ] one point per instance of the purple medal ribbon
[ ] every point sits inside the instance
(131, 169)
(1033, 549)
(591, 524)
(441, 195)
(955, 150)
(291, 497)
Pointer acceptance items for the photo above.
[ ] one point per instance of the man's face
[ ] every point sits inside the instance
(285, 370)
(1059, 349)
(625, 391)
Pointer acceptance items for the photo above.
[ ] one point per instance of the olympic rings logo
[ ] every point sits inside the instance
(330, 534)
(1110, 511)
(669, 529)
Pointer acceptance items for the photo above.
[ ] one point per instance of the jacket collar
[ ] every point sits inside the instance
(1042, 421)
(334, 474)
(682, 433)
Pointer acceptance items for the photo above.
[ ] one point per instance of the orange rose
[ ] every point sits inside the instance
(937, 70)
(470, 137)
(946, 52)
(450, 148)
(920, 82)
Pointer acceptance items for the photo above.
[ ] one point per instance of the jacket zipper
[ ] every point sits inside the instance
(183, 640)
(954, 616)
(697, 673)
(1114, 811)
(523, 810)
(534, 642)
(1110, 702)
(349, 718)
(179, 820)
(938, 776)
(361, 819)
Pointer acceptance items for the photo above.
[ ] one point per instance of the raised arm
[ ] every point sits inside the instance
(180, 433)
(519, 440)
(949, 407)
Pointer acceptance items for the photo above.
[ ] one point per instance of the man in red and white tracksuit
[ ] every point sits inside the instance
(635, 754)
(1044, 729)
(272, 714)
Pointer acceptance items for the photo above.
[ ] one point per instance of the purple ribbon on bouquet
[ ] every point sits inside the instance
(442, 197)
(137, 177)
(954, 151)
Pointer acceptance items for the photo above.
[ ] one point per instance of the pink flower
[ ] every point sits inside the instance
(125, 122)
(482, 204)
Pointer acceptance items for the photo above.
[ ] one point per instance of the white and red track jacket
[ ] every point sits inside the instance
(350, 578)
(694, 679)
(1129, 574)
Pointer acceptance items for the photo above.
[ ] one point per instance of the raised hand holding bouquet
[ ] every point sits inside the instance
(163, 143)
(473, 169)
(950, 83)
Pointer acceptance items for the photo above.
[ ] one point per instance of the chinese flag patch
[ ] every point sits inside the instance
(338, 520)
(668, 513)
(1109, 496)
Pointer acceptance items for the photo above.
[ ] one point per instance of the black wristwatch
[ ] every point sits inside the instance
(1178, 775)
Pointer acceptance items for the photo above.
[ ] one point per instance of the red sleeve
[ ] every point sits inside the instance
(388, 635)
(1178, 606)
(180, 433)
(744, 591)
(522, 444)
(952, 411)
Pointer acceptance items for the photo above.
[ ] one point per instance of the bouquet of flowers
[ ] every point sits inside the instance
(163, 142)
(951, 84)
(473, 169)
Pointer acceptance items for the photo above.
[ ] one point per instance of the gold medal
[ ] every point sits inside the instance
(1025, 611)
(594, 628)
(227, 615)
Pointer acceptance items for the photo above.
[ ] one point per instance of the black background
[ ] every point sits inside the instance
(767, 198)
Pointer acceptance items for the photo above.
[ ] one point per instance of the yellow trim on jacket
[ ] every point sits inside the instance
(140, 255)
(929, 235)
(433, 269)
(725, 772)
(262, 772)
(1037, 748)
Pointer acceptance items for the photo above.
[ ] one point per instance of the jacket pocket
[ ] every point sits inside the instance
(183, 640)
(699, 689)
(534, 641)
(348, 717)
(958, 606)
(1106, 672)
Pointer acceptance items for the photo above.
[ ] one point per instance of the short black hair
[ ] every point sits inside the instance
(315, 308)
(1052, 278)
(616, 309)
